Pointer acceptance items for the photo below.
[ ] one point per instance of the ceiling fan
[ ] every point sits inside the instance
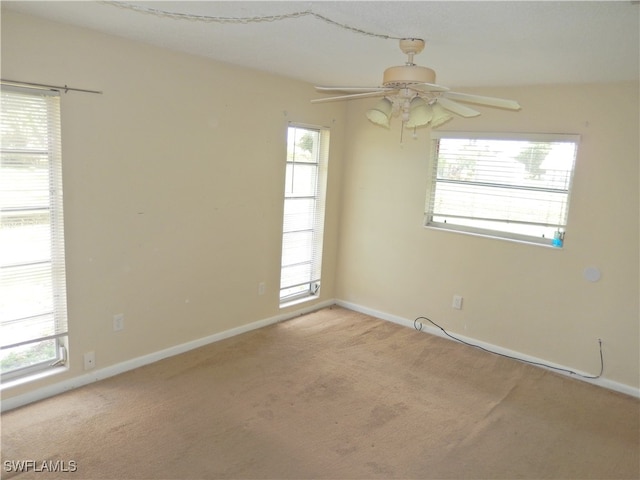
(410, 91)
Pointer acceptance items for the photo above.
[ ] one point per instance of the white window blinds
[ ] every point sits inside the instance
(303, 224)
(516, 187)
(33, 316)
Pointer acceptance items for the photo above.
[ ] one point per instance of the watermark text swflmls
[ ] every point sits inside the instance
(49, 466)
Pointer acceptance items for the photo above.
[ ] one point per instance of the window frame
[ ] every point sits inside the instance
(56, 272)
(310, 287)
(430, 223)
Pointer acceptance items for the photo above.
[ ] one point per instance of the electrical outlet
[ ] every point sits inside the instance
(457, 302)
(261, 288)
(118, 322)
(89, 360)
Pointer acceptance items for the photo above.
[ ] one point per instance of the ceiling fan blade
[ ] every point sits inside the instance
(353, 89)
(456, 108)
(427, 87)
(480, 100)
(349, 97)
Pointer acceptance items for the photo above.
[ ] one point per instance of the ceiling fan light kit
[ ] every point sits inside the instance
(381, 113)
(440, 116)
(420, 113)
(411, 93)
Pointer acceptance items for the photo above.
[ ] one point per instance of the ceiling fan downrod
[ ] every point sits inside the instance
(411, 47)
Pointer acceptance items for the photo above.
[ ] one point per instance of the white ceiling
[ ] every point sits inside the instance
(477, 43)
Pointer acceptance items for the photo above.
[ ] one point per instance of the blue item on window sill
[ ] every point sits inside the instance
(557, 239)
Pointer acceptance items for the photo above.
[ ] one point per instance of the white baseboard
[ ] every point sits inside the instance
(601, 382)
(96, 375)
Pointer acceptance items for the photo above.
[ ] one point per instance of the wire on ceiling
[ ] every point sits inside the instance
(243, 20)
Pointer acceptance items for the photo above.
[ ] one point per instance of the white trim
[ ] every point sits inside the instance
(601, 382)
(110, 371)
(533, 137)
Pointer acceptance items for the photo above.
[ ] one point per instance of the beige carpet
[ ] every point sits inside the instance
(333, 394)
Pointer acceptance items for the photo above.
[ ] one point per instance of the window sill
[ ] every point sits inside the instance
(14, 382)
(298, 301)
(494, 237)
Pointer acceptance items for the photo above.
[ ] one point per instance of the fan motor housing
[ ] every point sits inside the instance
(396, 77)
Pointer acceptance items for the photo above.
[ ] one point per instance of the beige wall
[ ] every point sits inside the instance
(173, 196)
(173, 184)
(521, 297)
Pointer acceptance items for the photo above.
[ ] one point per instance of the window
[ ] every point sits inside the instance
(509, 186)
(303, 225)
(33, 319)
